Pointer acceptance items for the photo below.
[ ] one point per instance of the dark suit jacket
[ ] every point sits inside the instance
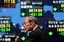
(36, 36)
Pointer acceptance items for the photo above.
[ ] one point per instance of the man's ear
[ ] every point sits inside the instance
(32, 23)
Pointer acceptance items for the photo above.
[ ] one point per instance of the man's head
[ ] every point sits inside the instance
(29, 23)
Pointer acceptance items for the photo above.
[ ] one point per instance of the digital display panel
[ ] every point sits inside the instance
(56, 28)
(5, 23)
(8, 3)
(58, 5)
(49, 15)
(31, 8)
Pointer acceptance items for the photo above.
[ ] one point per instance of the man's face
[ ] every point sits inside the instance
(28, 25)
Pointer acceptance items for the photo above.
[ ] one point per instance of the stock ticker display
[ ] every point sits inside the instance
(5, 24)
(31, 8)
(58, 5)
(7, 3)
(49, 13)
(56, 27)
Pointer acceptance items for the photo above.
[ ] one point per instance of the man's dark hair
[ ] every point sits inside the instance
(31, 18)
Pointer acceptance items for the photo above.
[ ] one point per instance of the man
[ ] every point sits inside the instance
(36, 35)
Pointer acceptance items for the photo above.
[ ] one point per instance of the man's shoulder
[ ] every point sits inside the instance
(38, 30)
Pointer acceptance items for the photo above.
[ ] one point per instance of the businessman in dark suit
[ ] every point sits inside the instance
(36, 35)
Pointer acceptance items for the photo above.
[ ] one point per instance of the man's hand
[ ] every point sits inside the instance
(16, 38)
